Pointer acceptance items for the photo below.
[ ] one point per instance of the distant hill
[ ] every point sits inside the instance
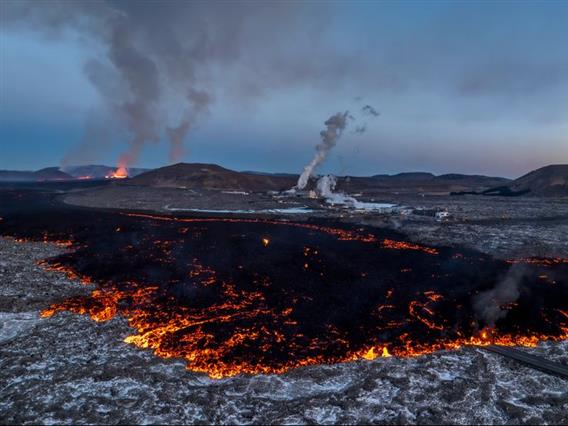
(96, 171)
(479, 181)
(211, 176)
(420, 182)
(547, 181)
(407, 176)
(69, 173)
(214, 177)
(289, 175)
(47, 174)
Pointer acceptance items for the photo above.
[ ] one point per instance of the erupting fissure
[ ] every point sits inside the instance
(120, 173)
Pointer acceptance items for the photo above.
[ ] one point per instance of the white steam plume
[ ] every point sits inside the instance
(488, 304)
(334, 128)
(326, 187)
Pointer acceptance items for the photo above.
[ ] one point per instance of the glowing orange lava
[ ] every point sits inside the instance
(341, 234)
(197, 346)
(541, 261)
(186, 331)
(120, 173)
(248, 296)
(403, 245)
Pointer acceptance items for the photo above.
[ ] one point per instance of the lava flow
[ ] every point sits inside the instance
(251, 296)
(120, 173)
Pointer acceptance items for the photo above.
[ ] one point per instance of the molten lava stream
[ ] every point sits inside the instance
(120, 173)
(239, 333)
(232, 296)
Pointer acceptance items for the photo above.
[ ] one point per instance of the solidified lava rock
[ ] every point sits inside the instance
(247, 295)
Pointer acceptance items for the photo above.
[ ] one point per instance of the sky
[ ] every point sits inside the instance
(461, 86)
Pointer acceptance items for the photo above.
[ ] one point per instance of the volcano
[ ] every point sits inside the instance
(99, 171)
(211, 176)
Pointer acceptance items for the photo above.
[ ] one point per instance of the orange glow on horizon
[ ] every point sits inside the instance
(120, 173)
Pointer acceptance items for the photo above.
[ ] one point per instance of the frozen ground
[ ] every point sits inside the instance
(70, 369)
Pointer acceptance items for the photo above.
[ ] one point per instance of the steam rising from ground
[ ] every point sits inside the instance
(488, 305)
(329, 137)
(335, 125)
(326, 189)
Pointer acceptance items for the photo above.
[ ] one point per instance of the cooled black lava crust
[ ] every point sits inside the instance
(275, 294)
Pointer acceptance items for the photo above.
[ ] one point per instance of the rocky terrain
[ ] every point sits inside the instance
(546, 181)
(505, 227)
(211, 177)
(502, 226)
(418, 183)
(70, 369)
(550, 180)
(166, 199)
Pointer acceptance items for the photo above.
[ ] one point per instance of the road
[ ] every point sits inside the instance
(533, 361)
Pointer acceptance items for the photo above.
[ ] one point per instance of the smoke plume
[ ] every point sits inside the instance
(329, 136)
(151, 61)
(488, 304)
(369, 110)
(199, 104)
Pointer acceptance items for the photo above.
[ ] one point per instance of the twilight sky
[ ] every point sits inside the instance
(463, 86)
